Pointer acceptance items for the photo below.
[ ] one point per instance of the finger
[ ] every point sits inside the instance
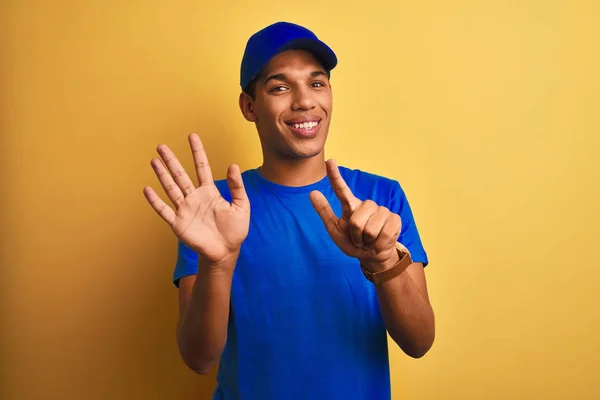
(341, 189)
(200, 161)
(159, 206)
(323, 208)
(166, 180)
(179, 175)
(358, 221)
(374, 226)
(239, 197)
(389, 233)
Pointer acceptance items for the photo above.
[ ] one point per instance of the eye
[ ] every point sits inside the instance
(278, 89)
(317, 84)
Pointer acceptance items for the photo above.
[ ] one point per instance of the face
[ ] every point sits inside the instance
(292, 106)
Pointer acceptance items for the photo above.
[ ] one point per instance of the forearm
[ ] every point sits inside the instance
(407, 314)
(202, 329)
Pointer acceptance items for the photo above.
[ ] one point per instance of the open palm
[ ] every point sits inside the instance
(202, 219)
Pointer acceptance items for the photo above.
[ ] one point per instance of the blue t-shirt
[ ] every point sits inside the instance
(304, 321)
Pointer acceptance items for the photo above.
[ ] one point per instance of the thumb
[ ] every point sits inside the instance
(239, 197)
(322, 207)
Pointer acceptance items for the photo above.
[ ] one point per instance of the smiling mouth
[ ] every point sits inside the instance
(308, 125)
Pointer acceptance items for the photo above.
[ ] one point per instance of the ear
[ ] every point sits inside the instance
(247, 107)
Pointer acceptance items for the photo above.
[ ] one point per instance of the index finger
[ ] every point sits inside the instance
(340, 188)
(200, 161)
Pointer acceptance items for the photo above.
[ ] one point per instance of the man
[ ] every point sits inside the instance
(291, 274)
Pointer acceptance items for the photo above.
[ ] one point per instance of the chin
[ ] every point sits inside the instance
(295, 150)
(297, 154)
(307, 153)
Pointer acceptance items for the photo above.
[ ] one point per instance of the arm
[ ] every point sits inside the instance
(406, 311)
(204, 314)
(214, 229)
(369, 233)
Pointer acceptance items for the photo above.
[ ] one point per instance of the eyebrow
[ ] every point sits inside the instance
(282, 77)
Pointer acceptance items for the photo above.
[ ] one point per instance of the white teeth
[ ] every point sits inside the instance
(306, 125)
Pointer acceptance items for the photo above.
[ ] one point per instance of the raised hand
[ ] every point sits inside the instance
(365, 230)
(202, 219)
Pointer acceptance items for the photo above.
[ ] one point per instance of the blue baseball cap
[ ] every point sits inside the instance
(276, 38)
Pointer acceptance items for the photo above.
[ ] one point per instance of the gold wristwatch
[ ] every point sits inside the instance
(394, 271)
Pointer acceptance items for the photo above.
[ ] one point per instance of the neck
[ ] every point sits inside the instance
(294, 172)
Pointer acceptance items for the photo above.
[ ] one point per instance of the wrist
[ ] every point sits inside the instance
(225, 265)
(391, 267)
(382, 265)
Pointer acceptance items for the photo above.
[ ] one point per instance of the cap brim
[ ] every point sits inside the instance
(319, 49)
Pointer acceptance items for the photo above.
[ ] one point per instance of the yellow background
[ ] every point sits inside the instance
(487, 112)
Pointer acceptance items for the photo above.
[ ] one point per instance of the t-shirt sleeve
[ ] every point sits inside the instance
(409, 235)
(187, 262)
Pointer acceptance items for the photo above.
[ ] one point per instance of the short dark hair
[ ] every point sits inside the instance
(251, 89)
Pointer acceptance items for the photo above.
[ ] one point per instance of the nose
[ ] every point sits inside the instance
(303, 99)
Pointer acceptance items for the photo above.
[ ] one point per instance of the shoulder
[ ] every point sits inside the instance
(362, 176)
(366, 184)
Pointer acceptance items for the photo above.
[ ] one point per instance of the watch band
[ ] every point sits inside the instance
(394, 271)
